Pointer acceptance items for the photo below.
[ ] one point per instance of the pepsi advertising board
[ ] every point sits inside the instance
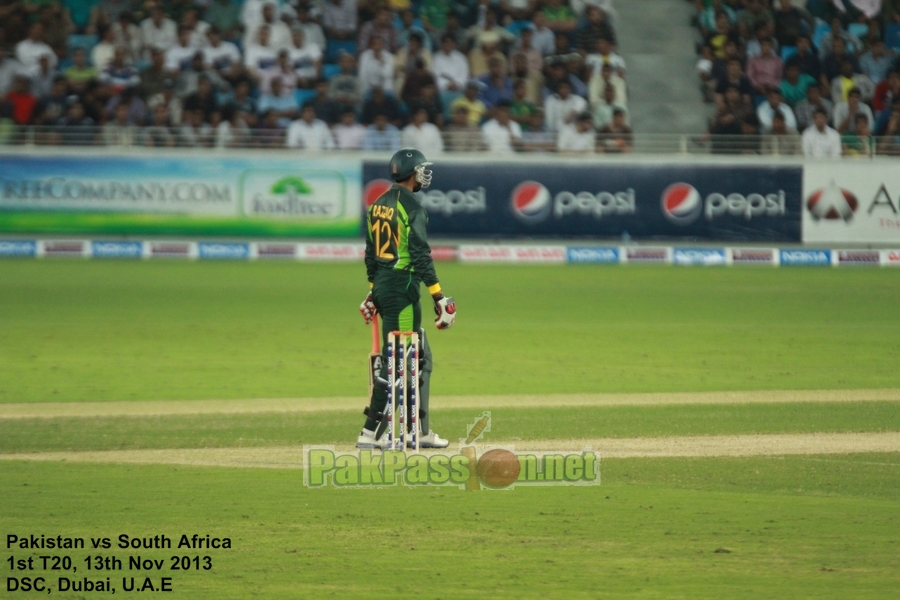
(557, 199)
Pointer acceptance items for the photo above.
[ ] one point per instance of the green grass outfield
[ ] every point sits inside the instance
(785, 526)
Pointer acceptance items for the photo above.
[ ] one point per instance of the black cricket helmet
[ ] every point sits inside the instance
(408, 161)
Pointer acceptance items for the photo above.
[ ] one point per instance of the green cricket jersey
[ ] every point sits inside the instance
(397, 237)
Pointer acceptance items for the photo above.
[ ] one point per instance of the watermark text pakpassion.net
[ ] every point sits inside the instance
(471, 467)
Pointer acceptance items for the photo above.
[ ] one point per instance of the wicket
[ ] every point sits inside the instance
(403, 399)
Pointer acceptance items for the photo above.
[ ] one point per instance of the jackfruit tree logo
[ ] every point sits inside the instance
(472, 467)
(316, 195)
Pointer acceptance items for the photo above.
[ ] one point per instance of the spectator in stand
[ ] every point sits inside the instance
(279, 32)
(268, 133)
(339, 19)
(306, 59)
(765, 71)
(194, 132)
(381, 26)
(845, 113)
(9, 70)
(501, 134)
(826, 44)
(21, 99)
(158, 134)
(890, 142)
(457, 32)
(720, 65)
(429, 99)
(782, 139)
(158, 31)
(225, 16)
(153, 76)
(450, 67)
(617, 137)
(312, 31)
(558, 71)
(345, 89)
(755, 13)
(462, 135)
(790, 21)
(562, 107)
(308, 132)
(706, 19)
(422, 135)
(251, 13)
(705, 73)
(560, 17)
(348, 132)
(489, 31)
(578, 136)
(180, 56)
(727, 121)
(221, 56)
(243, 100)
(723, 33)
(544, 37)
(533, 80)
(168, 98)
(886, 92)
(497, 85)
(409, 58)
(198, 28)
(774, 103)
(848, 80)
(820, 140)
(831, 65)
(102, 54)
(280, 100)
(525, 46)
(233, 131)
(42, 77)
(30, 50)
(261, 55)
(324, 106)
(877, 61)
(806, 58)
(376, 66)
(734, 77)
(858, 142)
(603, 54)
(128, 35)
(52, 106)
(381, 102)
(204, 99)
(119, 131)
(77, 129)
(475, 108)
(519, 11)
(562, 50)
(805, 109)
(605, 109)
(407, 24)
(381, 135)
(479, 58)
(793, 87)
(753, 46)
(284, 71)
(607, 78)
(79, 74)
(189, 81)
(594, 28)
(119, 74)
(522, 110)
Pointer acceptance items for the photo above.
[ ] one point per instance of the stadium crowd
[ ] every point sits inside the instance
(819, 78)
(467, 75)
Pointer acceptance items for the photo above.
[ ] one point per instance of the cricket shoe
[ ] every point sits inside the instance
(432, 440)
(368, 441)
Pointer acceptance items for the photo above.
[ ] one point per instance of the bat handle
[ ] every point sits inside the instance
(376, 335)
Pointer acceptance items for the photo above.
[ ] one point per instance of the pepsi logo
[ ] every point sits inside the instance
(374, 190)
(530, 202)
(681, 203)
(832, 203)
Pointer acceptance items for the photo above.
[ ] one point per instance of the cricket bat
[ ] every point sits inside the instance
(375, 355)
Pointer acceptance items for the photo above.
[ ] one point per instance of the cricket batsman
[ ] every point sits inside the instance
(398, 260)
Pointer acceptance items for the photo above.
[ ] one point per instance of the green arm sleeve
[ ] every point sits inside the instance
(419, 250)
(371, 265)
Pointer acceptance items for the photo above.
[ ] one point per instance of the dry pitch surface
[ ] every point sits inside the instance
(292, 457)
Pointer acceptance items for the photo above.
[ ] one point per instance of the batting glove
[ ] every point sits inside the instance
(367, 308)
(445, 309)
